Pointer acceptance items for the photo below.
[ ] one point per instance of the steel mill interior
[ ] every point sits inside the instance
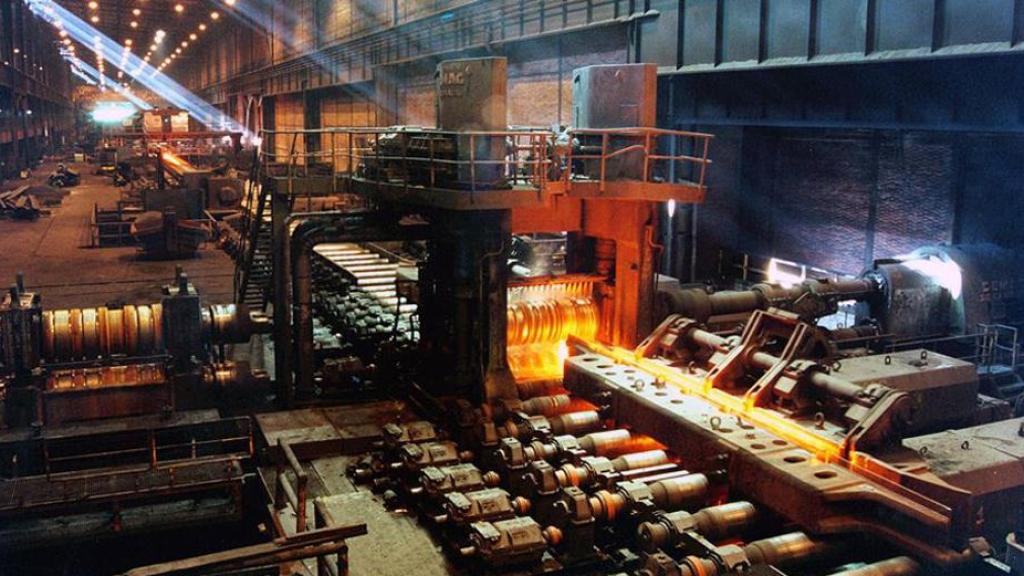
(512, 287)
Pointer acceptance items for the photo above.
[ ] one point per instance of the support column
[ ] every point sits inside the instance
(464, 284)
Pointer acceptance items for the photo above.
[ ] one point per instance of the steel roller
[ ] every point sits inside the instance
(551, 320)
(90, 333)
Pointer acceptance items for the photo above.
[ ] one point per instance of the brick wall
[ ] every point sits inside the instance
(539, 79)
(718, 225)
(916, 196)
(807, 195)
(991, 185)
(839, 199)
(820, 199)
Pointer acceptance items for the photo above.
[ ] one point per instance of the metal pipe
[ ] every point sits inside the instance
(309, 235)
(764, 361)
(899, 566)
(787, 548)
(778, 550)
(701, 305)
(586, 472)
(282, 308)
(714, 523)
(318, 228)
(669, 494)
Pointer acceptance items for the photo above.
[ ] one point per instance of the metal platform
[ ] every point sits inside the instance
(130, 475)
(325, 442)
(487, 170)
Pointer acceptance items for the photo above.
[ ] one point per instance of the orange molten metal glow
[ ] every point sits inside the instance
(536, 362)
(637, 443)
(175, 162)
(551, 320)
(580, 405)
(537, 333)
(823, 448)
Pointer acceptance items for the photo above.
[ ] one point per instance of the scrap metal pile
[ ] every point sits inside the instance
(29, 202)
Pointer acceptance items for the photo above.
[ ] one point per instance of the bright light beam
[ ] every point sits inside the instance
(77, 72)
(149, 77)
(94, 73)
(255, 14)
(113, 112)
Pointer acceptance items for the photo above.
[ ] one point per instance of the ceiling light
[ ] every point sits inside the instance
(136, 12)
(133, 24)
(177, 50)
(63, 33)
(94, 19)
(160, 33)
(127, 41)
(93, 5)
(152, 48)
(229, 2)
(193, 36)
(214, 15)
(179, 8)
(184, 43)
(202, 27)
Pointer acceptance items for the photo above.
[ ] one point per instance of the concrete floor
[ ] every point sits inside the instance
(55, 256)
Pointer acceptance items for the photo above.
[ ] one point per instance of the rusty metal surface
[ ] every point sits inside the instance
(944, 389)
(326, 441)
(399, 545)
(615, 96)
(106, 392)
(520, 196)
(305, 425)
(101, 446)
(59, 491)
(133, 474)
(987, 461)
(791, 479)
(337, 430)
(110, 426)
(95, 523)
(323, 541)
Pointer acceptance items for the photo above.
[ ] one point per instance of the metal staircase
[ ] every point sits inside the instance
(254, 265)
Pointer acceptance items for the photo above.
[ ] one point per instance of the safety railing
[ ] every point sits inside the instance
(114, 465)
(153, 447)
(111, 227)
(287, 493)
(997, 345)
(635, 154)
(536, 159)
(441, 159)
(407, 156)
